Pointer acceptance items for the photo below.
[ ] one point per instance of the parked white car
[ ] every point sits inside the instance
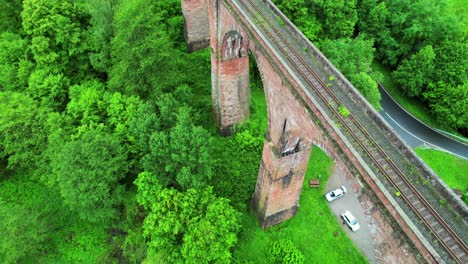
(350, 220)
(335, 194)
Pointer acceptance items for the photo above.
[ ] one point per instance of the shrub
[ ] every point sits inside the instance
(283, 251)
(343, 111)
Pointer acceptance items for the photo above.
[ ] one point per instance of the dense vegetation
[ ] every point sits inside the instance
(423, 42)
(108, 148)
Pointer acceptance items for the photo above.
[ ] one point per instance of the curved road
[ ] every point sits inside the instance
(415, 133)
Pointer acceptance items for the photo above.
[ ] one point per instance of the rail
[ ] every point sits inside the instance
(446, 236)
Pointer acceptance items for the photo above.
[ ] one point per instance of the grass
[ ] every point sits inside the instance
(452, 170)
(312, 230)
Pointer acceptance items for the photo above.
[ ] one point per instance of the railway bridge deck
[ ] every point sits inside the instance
(425, 208)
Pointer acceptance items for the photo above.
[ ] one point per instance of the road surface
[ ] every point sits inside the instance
(415, 133)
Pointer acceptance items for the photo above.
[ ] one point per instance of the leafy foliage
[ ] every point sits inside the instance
(11, 16)
(87, 170)
(353, 57)
(284, 251)
(101, 32)
(21, 136)
(138, 52)
(192, 226)
(402, 27)
(22, 233)
(414, 74)
(449, 103)
(337, 17)
(57, 30)
(12, 50)
(181, 157)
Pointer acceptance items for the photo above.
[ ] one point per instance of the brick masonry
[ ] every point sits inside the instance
(229, 68)
(196, 29)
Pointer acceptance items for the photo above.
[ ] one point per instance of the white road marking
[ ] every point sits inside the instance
(425, 142)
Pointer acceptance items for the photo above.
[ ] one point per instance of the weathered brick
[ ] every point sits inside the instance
(196, 29)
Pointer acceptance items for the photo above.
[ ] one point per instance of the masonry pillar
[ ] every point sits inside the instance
(280, 180)
(287, 147)
(196, 29)
(229, 68)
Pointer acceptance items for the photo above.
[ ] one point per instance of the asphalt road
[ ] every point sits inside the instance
(415, 133)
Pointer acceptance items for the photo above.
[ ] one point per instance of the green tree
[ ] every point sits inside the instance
(449, 103)
(87, 171)
(338, 18)
(21, 136)
(51, 89)
(58, 34)
(12, 50)
(368, 88)
(22, 234)
(10, 20)
(414, 74)
(86, 104)
(298, 12)
(181, 157)
(102, 30)
(350, 56)
(142, 56)
(451, 62)
(353, 57)
(403, 27)
(193, 226)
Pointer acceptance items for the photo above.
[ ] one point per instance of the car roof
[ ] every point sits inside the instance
(338, 191)
(349, 216)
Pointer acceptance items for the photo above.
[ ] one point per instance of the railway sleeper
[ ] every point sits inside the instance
(447, 239)
(401, 183)
(427, 216)
(417, 202)
(421, 211)
(405, 189)
(461, 255)
(455, 247)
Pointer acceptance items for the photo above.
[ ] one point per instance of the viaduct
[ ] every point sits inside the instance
(307, 99)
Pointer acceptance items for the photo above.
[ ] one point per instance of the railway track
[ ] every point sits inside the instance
(440, 230)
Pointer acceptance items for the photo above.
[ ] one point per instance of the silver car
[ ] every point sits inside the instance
(350, 220)
(335, 194)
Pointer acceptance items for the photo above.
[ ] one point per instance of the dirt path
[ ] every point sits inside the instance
(376, 238)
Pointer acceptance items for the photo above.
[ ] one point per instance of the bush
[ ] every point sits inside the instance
(283, 251)
(343, 111)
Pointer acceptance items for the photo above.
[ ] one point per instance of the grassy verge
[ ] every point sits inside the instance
(451, 170)
(314, 230)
